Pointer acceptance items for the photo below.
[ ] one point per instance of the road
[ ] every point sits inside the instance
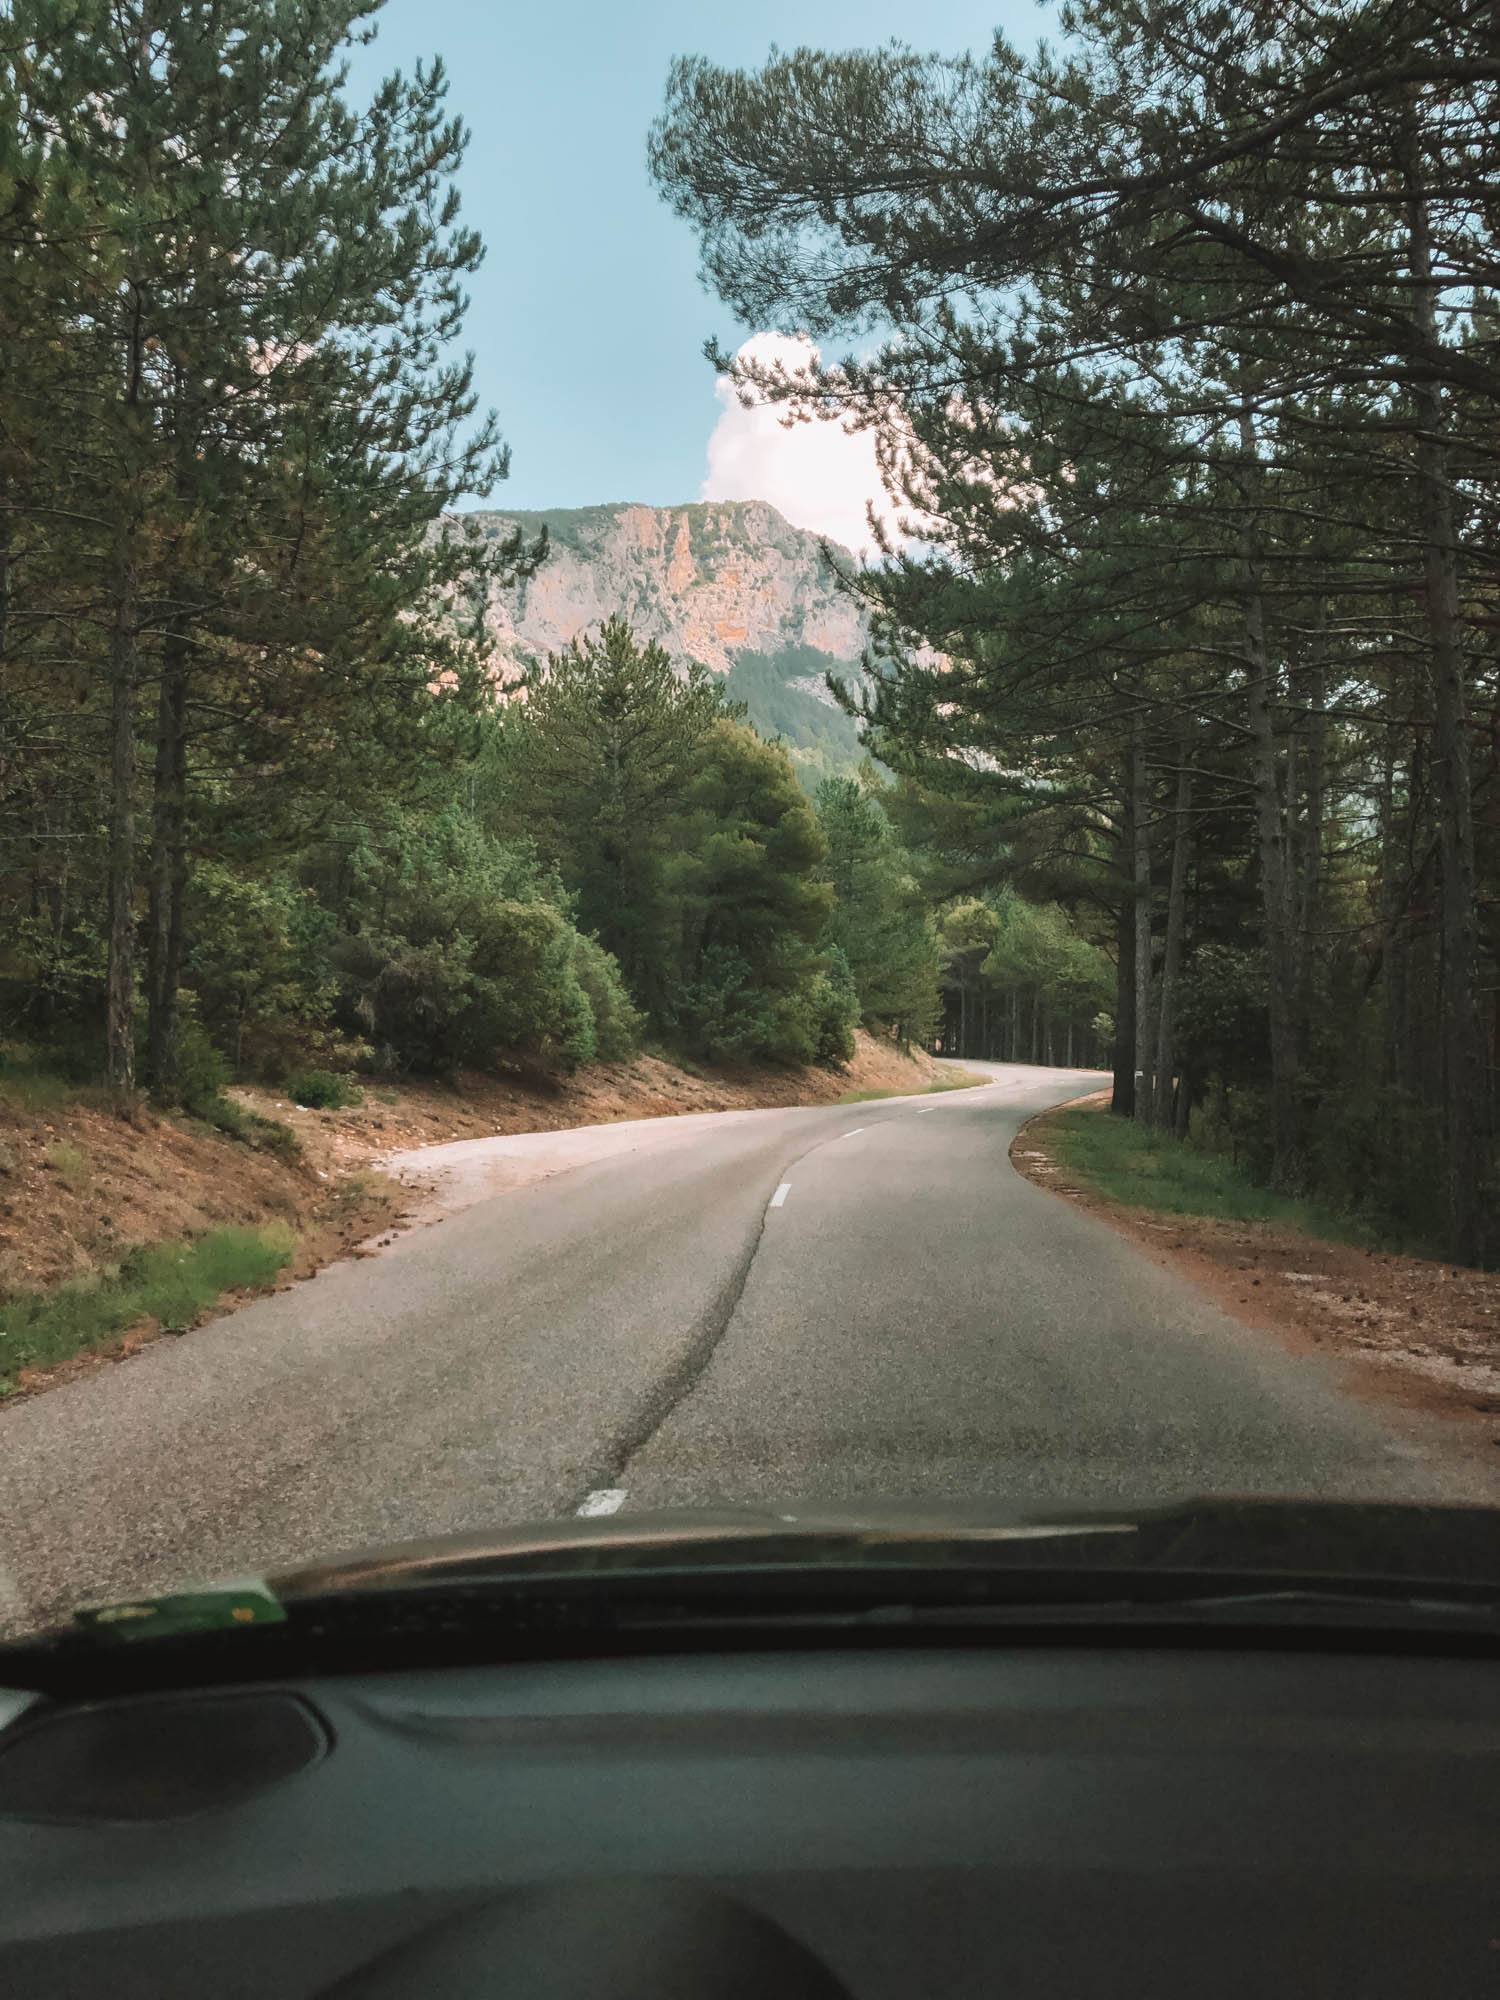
(830, 1303)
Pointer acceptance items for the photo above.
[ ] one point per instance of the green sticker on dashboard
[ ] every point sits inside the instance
(225, 1609)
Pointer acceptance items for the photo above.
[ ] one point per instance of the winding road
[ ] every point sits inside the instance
(836, 1303)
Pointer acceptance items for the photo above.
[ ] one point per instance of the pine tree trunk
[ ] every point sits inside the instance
(119, 1025)
(5, 540)
(164, 939)
(1270, 827)
(124, 680)
(1310, 855)
(1122, 1095)
(1464, 1081)
(1182, 1106)
(1140, 827)
(1166, 1037)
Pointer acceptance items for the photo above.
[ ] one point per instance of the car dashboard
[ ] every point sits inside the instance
(949, 1820)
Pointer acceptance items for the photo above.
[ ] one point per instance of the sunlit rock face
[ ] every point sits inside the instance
(709, 582)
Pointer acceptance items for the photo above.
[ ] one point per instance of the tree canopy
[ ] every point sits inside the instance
(1185, 367)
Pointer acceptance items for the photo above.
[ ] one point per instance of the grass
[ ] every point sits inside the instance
(69, 1162)
(168, 1282)
(966, 1082)
(31, 1086)
(1142, 1169)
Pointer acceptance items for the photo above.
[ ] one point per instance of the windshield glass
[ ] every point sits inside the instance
(740, 779)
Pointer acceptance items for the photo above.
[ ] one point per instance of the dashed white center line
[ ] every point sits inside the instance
(854, 1134)
(925, 1109)
(604, 1500)
(781, 1194)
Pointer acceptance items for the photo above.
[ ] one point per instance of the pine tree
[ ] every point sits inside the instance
(270, 427)
(596, 759)
(1194, 326)
(879, 921)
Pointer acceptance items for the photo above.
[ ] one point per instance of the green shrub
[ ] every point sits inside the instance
(730, 1014)
(617, 1021)
(507, 985)
(834, 1003)
(201, 1071)
(257, 955)
(322, 1090)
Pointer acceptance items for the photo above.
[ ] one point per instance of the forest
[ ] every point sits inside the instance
(1181, 731)
(1179, 343)
(264, 812)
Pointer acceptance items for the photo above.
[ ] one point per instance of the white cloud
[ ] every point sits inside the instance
(817, 474)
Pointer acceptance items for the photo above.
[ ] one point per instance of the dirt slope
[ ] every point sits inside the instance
(80, 1186)
(425, 1114)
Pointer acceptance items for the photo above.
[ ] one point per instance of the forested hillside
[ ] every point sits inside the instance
(1192, 381)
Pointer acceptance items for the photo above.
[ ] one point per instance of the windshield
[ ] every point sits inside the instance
(734, 778)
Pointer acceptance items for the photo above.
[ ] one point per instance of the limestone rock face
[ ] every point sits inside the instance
(708, 582)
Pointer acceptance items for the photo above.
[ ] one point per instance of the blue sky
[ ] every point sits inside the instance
(588, 318)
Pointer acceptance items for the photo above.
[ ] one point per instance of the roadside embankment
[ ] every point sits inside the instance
(113, 1229)
(1409, 1328)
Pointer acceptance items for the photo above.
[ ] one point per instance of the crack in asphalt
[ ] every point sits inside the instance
(678, 1381)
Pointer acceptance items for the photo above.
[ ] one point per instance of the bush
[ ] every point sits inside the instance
(201, 1071)
(617, 1021)
(257, 954)
(322, 1090)
(1376, 1153)
(508, 985)
(68, 1162)
(834, 1005)
(728, 1015)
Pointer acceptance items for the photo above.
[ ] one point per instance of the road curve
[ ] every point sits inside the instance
(827, 1303)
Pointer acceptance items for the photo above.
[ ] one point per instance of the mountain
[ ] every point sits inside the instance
(727, 582)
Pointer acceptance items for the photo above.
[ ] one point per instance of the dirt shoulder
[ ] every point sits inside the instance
(1409, 1331)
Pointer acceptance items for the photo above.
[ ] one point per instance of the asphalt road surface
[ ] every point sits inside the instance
(836, 1303)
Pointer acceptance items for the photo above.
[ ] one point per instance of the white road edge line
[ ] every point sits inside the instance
(781, 1194)
(604, 1500)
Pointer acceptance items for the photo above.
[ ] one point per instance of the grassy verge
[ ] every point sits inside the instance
(966, 1081)
(168, 1282)
(1141, 1169)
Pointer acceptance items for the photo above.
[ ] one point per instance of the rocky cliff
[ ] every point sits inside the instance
(714, 582)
